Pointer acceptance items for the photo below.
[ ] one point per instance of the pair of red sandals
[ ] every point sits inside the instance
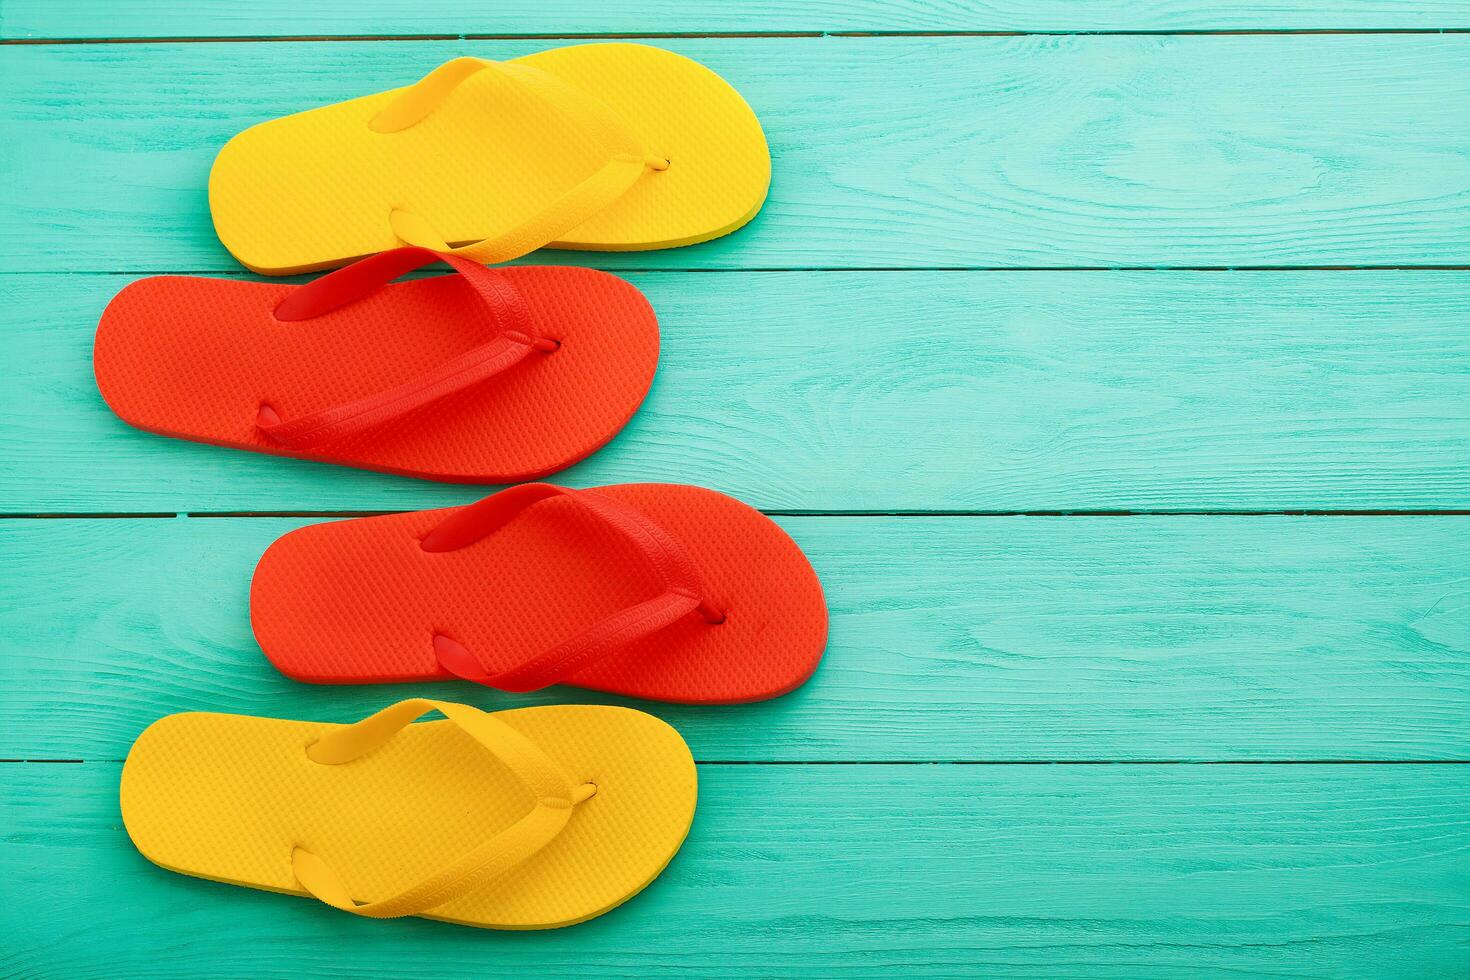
(659, 591)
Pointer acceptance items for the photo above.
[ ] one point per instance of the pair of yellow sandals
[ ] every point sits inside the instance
(523, 819)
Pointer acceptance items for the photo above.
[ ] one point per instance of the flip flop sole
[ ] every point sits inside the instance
(360, 601)
(315, 189)
(229, 797)
(195, 358)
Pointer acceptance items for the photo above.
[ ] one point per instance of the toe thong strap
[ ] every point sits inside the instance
(683, 593)
(556, 797)
(508, 321)
(625, 159)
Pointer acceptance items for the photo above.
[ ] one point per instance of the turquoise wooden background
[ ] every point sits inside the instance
(1110, 359)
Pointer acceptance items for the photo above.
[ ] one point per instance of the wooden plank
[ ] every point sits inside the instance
(959, 639)
(940, 391)
(38, 19)
(1053, 152)
(862, 871)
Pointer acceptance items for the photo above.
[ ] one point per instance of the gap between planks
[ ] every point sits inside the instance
(160, 515)
(707, 270)
(695, 35)
(952, 762)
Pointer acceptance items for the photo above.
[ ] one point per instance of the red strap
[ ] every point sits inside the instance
(682, 593)
(500, 301)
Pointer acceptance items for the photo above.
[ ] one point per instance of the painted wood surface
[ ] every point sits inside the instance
(888, 152)
(892, 391)
(861, 871)
(104, 19)
(851, 354)
(954, 639)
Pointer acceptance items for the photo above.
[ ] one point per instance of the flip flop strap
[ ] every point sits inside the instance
(626, 159)
(499, 300)
(554, 792)
(682, 592)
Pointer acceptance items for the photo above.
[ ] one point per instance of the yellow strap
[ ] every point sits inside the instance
(555, 798)
(569, 211)
(626, 158)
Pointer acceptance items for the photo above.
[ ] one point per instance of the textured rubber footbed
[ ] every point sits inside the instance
(195, 358)
(359, 601)
(228, 797)
(314, 189)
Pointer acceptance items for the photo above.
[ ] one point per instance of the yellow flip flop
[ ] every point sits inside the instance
(614, 147)
(525, 819)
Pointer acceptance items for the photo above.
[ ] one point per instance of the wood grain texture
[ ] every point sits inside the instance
(963, 638)
(889, 152)
(956, 641)
(892, 391)
(565, 18)
(863, 871)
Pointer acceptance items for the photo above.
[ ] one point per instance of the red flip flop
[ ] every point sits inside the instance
(490, 376)
(657, 591)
